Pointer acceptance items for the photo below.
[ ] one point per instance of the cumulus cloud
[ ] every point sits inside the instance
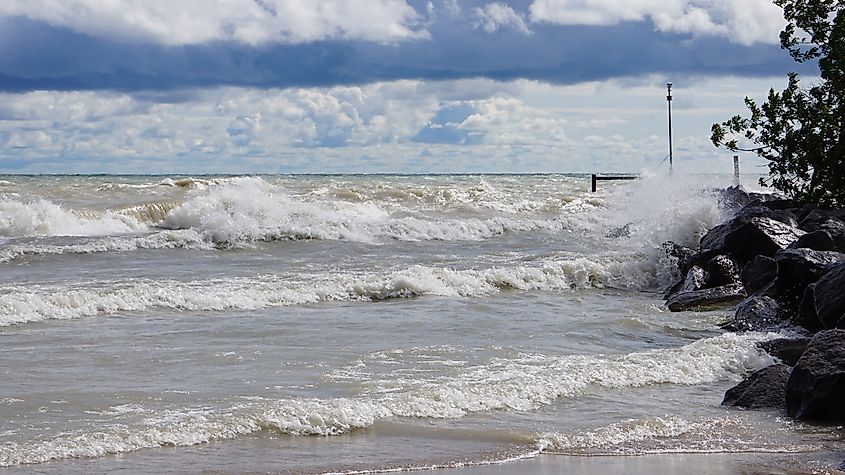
(495, 16)
(397, 126)
(743, 21)
(245, 21)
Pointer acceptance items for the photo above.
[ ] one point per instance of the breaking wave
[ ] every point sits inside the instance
(44, 218)
(24, 304)
(667, 435)
(519, 384)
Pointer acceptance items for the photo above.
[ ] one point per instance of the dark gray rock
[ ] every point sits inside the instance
(763, 210)
(621, 232)
(787, 350)
(763, 388)
(779, 203)
(816, 388)
(756, 313)
(814, 219)
(746, 236)
(722, 270)
(696, 279)
(735, 197)
(679, 254)
(706, 298)
(836, 230)
(818, 240)
(807, 316)
(829, 298)
(759, 273)
(798, 268)
(802, 213)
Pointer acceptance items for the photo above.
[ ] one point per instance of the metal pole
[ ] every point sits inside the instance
(669, 101)
(736, 170)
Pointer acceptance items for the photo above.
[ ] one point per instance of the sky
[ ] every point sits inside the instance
(378, 86)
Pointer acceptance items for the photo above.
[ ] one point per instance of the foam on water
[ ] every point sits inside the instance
(179, 239)
(249, 210)
(38, 303)
(667, 435)
(521, 384)
(44, 218)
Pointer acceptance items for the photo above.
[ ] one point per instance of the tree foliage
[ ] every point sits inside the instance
(801, 131)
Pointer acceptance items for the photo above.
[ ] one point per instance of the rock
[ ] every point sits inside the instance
(764, 388)
(818, 240)
(836, 230)
(798, 268)
(778, 203)
(804, 212)
(756, 313)
(624, 231)
(807, 316)
(815, 218)
(787, 350)
(829, 298)
(747, 236)
(816, 388)
(735, 197)
(681, 255)
(706, 298)
(759, 273)
(721, 270)
(696, 279)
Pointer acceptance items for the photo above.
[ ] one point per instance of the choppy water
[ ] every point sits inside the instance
(358, 323)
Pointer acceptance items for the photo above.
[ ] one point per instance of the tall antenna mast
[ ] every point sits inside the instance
(669, 101)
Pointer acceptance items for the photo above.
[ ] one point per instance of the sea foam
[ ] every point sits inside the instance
(44, 218)
(523, 383)
(32, 304)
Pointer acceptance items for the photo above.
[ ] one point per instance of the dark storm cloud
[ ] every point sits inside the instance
(36, 55)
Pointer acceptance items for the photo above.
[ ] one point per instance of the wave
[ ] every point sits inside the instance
(23, 305)
(667, 435)
(183, 239)
(250, 210)
(43, 218)
(186, 183)
(523, 383)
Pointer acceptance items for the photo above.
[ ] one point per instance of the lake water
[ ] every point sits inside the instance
(361, 323)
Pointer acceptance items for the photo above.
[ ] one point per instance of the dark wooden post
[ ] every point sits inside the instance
(594, 182)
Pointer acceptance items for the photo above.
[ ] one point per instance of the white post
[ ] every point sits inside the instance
(736, 170)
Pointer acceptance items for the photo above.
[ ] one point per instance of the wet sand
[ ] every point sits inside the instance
(688, 464)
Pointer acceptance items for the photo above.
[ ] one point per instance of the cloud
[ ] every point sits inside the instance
(495, 16)
(251, 22)
(393, 126)
(743, 21)
(38, 56)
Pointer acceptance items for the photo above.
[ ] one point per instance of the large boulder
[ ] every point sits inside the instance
(696, 279)
(756, 313)
(722, 270)
(737, 197)
(835, 228)
(706, 298)
(678, 254)
(807, 315)
(829, 298)
(787, 350)
(759, 273)
(816, 388)
(752, 232)
(798, 268)
(818, 240)
(816, 218)
(763, 388)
